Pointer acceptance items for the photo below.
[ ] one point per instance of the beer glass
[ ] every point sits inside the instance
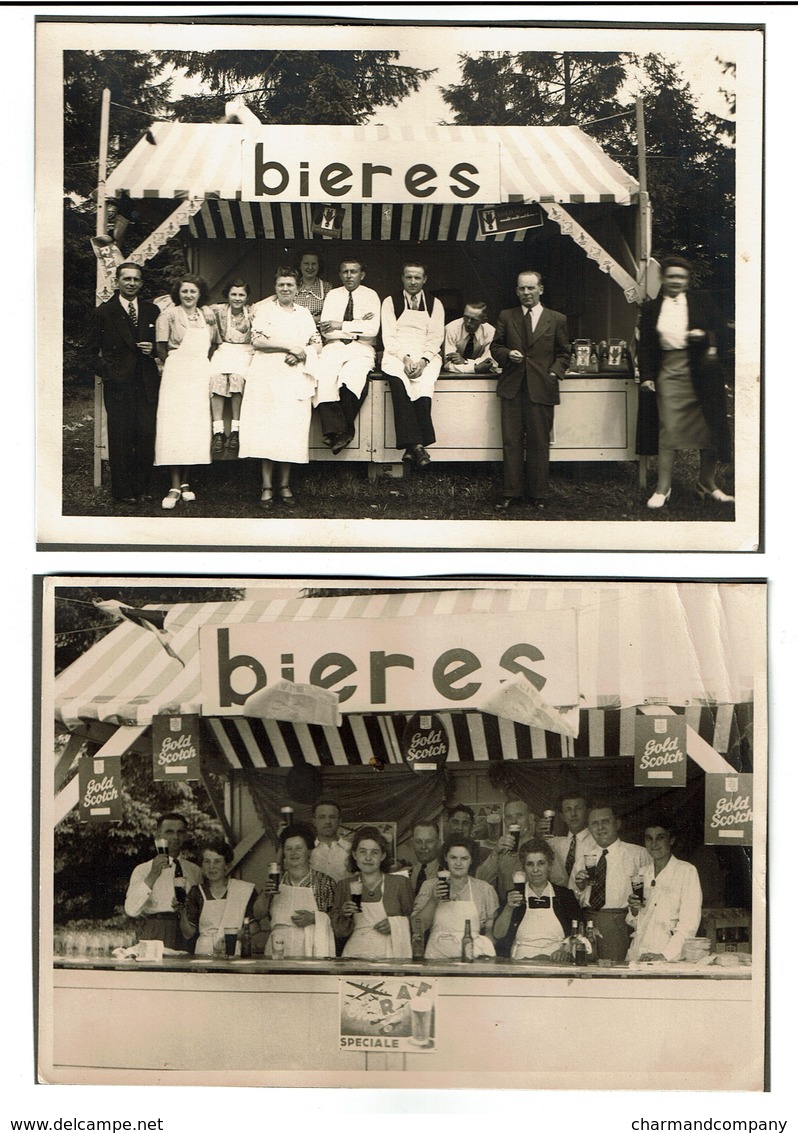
(278, 949)
(514, 830)
(230, 941)
(287, 814)
(356, 889)
(161, 846)
(591, 861)
(638, 888)
(548, 822)
(519, 881)
(444, 876)
(494, 827)
(420, 1020)
(274, 875)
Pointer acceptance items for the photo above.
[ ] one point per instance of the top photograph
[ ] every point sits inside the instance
(323, 284)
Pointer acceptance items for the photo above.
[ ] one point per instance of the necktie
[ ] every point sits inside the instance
(598, 894)
(570, 857)
(468, 350)
(349, 313)
(131, 310)
(414, 303)
(422, 877)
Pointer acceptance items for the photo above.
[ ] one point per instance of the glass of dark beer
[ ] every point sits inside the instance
(638, 888)
(591, 861)
(230, 941)
(356, 889)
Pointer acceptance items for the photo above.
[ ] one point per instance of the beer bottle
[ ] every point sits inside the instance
(590, 933)
(417, 939)
(580, 958)
(179, 883)
(572, 941)
(246, 939)
(467, 947)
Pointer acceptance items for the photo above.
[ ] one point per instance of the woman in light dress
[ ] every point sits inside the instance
(184, 335)
(275, 416)
(230, 363)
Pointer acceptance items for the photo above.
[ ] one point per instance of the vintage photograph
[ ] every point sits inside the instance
(403, 833)
(325, 284)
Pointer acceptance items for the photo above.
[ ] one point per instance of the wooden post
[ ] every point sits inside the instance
(102, 165)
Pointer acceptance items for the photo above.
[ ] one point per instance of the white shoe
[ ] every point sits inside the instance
(659, 500)
(186, 495)
(170, 499)
(714, 494)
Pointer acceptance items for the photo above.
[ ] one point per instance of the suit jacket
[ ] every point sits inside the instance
(110, 348)
(565, 907)
(546, 354)
(707, 374)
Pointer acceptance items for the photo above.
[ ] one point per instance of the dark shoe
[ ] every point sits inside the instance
(218, 444)
(341, 441)
(126, 499)
(409, 456)
(266, 499)
(422, 457)
(287, 497)
(232, 443)
(503, 506)
(328, 439)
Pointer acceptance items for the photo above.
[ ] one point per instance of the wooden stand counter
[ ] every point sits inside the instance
(498, 1023)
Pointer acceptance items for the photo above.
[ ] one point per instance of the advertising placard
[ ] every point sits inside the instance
(728, 810)
(100, 782)
(509, 218)
(175, 747)
(660, 751)
(390, 1015)
(425, 742)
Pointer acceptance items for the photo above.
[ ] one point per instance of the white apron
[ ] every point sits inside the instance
(232, 358)
(537, 935)
(414, 327)
(368, 944)
(218, 915)
(448, 926)
(316, 940)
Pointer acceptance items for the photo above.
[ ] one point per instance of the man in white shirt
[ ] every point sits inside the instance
(412, 334)
(151, 891)
(350, 323)
(604, 889)
(670, 912)
(330, 855)
(573, 811)
(427, 849)
(466, 342)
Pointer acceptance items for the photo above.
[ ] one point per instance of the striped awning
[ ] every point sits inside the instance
(686, 645)
(537, 163)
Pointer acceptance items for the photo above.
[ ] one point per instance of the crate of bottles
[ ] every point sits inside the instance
(729, 930)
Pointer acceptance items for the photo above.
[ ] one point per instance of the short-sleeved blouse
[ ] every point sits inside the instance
(313, 297)
(172, 325)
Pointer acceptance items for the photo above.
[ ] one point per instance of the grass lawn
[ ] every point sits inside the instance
(231, 490)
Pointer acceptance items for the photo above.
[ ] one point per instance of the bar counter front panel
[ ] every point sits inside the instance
(262, 1022)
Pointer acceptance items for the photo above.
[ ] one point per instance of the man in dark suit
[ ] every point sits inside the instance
(532, 347)
(120, 347)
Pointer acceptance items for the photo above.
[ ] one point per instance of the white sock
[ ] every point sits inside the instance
(234, 426)
(218, 426)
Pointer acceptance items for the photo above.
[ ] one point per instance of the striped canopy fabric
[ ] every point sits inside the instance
(685, 645)
(538, 163)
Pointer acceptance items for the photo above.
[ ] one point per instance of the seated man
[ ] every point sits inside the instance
(350, 322)
(466, 342)
(412, 333)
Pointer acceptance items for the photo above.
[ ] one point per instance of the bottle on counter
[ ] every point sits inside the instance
(467, 947)
(416, 938)
(602, 355)
(593, 359)
(592, 939)
(580, 952)
(179, 883)
(246, 939)
(571, 941)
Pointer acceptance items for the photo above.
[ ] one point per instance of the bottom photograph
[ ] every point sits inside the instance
(402, 833)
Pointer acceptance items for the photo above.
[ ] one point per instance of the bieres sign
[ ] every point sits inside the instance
(362, 171)
(392, 665)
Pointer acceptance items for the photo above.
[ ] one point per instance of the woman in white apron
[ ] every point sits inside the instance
(673, 899)
(220, 902)
(536, 919)
(230, 363)
(299, 907)
(376, 926)
(443, 907)
(184, 334)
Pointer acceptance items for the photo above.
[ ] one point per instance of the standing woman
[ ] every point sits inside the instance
(219, 902)
(298, 908)
(312, 288)
(230, 363)
(184, 335)
(275, 417)
(444, 907)
(377, 927)
(678, 362)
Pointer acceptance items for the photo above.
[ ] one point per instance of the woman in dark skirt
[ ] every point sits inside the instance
(678, 362)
